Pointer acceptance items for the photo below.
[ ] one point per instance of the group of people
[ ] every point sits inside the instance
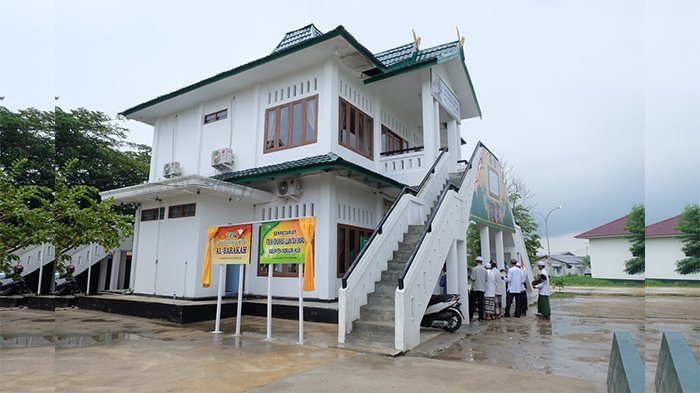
(488, 285)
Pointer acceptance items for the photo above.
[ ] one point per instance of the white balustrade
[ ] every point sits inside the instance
(408, 168)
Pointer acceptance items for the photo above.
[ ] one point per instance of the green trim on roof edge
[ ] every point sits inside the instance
(338, 31)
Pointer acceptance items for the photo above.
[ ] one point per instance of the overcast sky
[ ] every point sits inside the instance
(595, 104)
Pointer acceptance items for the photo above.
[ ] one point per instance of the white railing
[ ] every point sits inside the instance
(409, 210)
(450, 223)
(408, 168)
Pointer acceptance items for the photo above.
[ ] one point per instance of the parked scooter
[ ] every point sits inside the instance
(68, 286)
(14, 283)
(443, 312)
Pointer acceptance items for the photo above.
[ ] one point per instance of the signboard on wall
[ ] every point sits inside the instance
(282, 242)
(441, 91)
(490, 204)
(232, 244)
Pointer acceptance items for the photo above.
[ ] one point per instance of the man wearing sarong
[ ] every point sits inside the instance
(543, 310)
(490, 293)
(515, 287)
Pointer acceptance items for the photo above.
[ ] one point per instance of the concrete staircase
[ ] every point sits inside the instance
(375, 328)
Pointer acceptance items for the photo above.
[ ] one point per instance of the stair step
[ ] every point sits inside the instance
(408, 245)
(376, 313)
(380, 300)
(385, 289)
(415, 228)
(391, 275)
(402, 255)
(382, 331)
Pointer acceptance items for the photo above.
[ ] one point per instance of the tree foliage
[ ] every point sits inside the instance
(520, 198)
(28, 134)
(473, 244)
(689, 226)
(635, 225)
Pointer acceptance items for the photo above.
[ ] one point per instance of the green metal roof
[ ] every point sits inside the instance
(297, 36)
(325, 162)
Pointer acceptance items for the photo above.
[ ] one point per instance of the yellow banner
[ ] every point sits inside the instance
(231, 245)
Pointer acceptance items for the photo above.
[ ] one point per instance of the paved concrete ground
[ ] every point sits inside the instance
(98, 352)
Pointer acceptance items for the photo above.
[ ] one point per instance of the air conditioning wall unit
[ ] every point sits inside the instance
(288, 188)
(172, 169)
(222, 159)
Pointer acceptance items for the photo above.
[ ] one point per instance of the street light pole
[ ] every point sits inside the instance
(546, 229)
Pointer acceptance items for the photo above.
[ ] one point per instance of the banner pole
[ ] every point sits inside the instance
(218, 300)
(269, 301)
(240, 301)
(301, 303)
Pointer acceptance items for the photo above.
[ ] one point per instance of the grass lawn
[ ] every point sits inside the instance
(675, 284)
(585, 281)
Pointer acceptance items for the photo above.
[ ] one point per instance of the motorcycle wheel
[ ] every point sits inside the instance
(455, 322)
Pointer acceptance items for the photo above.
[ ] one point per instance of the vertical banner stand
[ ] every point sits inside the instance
(217, 329)
(269, 301)
(240, 299)
(301, 303)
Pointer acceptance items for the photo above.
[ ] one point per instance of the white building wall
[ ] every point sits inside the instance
(608, 256)
(661, 254)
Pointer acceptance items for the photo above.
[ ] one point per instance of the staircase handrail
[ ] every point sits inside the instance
(379, 228)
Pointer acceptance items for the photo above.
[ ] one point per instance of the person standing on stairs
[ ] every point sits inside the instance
(478, 277)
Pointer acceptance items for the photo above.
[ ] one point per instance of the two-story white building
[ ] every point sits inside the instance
(320, 127)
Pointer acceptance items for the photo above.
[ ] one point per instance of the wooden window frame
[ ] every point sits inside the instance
(346, 253)
(388, 133)
(183, 206)
(360, 117)
(290, 125)
(218, 115)
(160, 216)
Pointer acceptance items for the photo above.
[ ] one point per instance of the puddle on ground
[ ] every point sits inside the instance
(26, 341)
(65, 341)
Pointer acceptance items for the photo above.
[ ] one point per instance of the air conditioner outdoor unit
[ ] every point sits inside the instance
(288, 188)
(172, 169)
(222, 159)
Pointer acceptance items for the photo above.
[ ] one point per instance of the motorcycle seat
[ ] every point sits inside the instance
(438, 298)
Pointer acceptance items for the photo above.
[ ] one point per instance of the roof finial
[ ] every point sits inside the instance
(459, 37)
(416, 39)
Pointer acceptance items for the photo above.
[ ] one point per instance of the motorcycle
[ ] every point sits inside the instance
(443, 312)
(68, 286)
(14, 284)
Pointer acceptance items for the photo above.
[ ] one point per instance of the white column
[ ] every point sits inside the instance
(454, 144)
(326, 282)
(461, 248)
(430, 144)
(116, 267)
(134, 252)
(500, 256)
(452, 269)
(485, 242)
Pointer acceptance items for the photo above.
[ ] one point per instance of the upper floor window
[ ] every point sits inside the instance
(392, 142)
(212, 117)
(355, 130)
(178, 211)
(291, 125)
(153, 214)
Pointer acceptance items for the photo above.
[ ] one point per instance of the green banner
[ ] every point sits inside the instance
(282, 242)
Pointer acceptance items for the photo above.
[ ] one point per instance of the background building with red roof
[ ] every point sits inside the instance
(609, 249)
(663, 248)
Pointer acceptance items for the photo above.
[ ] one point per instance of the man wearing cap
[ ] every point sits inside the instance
(543, 310)
(478, 277)
(515, 287)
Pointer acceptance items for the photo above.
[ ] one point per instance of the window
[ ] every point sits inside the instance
(392, 142)
(212, 117)
(291, 125)
(355, 129)
(178, 211)
(152, 214)
(350, 243)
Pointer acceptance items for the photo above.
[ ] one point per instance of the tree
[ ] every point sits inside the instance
(473, 244)
(635, 226)
(586, 261)
(689, 226)
(520, 198)
(28, 134)
(81, 218)
(25, 213)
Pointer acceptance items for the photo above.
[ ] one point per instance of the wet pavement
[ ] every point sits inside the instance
(97, 352)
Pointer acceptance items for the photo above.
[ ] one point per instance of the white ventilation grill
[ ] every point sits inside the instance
(172, 169)
(222, 159)
(288, 188)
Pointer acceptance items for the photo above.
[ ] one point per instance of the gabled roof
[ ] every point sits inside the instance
(666, 227)
(398, 55)
(297, 36)
(325, 162)
(614, 228)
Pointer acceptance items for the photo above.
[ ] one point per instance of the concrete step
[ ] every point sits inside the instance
(376, 313)
(380, 300)
(391, 275)
(382, 331)
(396, 266)
(408, 245)
(402, 255)
(413, 229)
(361, 344)
(385, 289)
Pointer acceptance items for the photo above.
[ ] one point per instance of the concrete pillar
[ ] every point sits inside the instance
(116, 267)
(454, 144)
(461, 248)
(430, 140)
(326, 244)
(102, 277)
(452, 269)
(134, 252)
(500, 253)
(485, 242)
